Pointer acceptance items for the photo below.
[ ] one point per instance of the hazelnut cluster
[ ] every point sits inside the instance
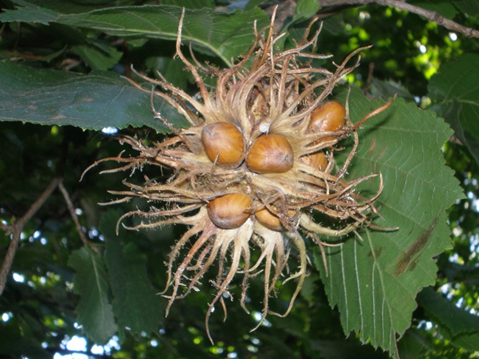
(255, 170)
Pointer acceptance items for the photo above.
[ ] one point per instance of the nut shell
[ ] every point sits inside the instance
(223, 143)
(328, 117)
(316, 160)
(270, 154)
(268, 219)
(230, 211)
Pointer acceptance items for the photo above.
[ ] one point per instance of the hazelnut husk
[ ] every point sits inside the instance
(268, 103)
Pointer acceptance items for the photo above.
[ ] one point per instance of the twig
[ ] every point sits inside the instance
(374, 113)
(18, 228)
(71, 209)
(6, 227)
(402, 5)
(369, 79)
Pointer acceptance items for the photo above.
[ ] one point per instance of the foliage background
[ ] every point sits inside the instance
(62, 285)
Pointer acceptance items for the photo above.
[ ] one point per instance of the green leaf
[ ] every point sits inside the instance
(305, 9)
(470, 7)
(252, 3)
(442, 7)
(456, 320)
(386, 89)
(335, 349)
(95, 312)
(78, 6)
(27, 12)
(93, 101)
(455, 323)
(467, 341)
(135, 303)
(190, 4)
(171, 69)
(413, 345)
(308, 291)
(455, 90)
(15, 343)
(98, 55)
(374, 281)
(217, 34)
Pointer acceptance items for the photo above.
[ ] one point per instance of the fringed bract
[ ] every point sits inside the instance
(266, 93)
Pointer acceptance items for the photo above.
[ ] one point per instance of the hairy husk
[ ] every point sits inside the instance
(266, 92)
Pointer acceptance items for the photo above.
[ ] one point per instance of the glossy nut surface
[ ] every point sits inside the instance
(223, 143)
(268, 219)
(270, 154)
(230, 211)
(328, 117)
(316, 160)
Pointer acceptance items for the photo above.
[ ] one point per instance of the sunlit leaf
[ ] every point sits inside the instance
(305, 9)
(374, 281)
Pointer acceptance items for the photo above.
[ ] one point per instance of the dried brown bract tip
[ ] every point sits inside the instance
(253, 170)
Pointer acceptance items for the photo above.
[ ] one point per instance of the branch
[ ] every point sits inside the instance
(18, 228)
(71, 209)
(403, 5)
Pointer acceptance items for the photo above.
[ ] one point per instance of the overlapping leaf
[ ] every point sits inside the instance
(456, 92)
(470, 7)
(443, 7)
(134, 301)
(305, 9)
(93, 101)
(454, 323)
(374, 282)
(67, 7)
(218, 34)
(28, 12)
(95, 312)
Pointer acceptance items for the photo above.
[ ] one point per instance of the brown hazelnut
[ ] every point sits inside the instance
(230, 211)
(270, 154)
(328, 117)
(223, 143)
(268, 219)
(316, 160)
